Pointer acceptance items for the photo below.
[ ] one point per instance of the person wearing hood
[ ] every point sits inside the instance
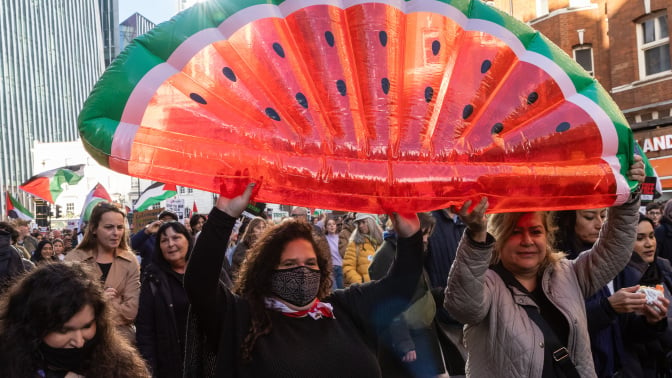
(11, 265)
(664, 233)
(162, 315)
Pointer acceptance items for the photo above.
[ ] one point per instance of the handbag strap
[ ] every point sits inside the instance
(558, 352)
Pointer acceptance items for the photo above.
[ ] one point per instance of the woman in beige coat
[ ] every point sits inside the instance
(105, 248)
(497, 280)
(364, 242)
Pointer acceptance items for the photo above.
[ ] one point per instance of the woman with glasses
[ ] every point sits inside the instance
(106, 250)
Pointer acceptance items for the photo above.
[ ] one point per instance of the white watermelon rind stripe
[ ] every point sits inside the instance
(562, 68)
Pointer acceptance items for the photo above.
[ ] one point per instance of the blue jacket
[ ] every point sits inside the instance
(143, 245)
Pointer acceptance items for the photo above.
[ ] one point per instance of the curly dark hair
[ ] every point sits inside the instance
(262, 259)
(42, 302)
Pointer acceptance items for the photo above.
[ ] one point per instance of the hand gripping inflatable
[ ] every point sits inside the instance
(365, 106)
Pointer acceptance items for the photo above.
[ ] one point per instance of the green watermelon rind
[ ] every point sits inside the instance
(104, 109)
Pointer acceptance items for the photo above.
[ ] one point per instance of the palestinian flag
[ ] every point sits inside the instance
(48, 185)
(97, 195)
(16, 210)
(155, 193)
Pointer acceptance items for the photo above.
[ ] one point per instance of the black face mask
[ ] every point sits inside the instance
(298, 286)
(67, 359)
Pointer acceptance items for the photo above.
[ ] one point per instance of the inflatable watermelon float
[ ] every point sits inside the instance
(366, 106)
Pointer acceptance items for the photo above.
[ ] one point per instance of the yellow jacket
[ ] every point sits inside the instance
(356, 262)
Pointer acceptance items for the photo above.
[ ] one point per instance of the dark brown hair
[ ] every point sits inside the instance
(45, 299)
(262, 259)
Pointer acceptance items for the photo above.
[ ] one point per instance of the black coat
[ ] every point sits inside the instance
(652, 356)
(664, 239)
(160, 338)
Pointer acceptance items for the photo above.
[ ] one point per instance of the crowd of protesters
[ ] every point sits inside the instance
(452, 292)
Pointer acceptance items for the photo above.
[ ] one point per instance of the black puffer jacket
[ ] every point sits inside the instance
(161, 320)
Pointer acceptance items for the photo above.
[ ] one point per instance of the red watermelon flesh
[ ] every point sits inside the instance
(330, 104)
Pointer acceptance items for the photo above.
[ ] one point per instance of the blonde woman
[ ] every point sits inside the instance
(364, 242)
(521, 301)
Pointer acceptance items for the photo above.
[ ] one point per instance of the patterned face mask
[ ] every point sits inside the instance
(297, 286)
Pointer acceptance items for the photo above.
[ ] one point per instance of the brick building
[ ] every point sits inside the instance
(625, 44)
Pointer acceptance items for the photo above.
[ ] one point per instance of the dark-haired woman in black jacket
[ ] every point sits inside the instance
(162, 315)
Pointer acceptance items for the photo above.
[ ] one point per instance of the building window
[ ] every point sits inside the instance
(190, 190)
(70, 208)
(584, 56)
(579, 3)
(654, 46)
(181, 189)
(542, 7)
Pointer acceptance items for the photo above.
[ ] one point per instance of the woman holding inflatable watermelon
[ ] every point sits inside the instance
(521, 301)
(282, 319)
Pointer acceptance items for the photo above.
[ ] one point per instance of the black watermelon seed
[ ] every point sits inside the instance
(429, 93)
(196, 97)
(303, 101)
(329, 36)
(272, 114)
(532, 98)
(562, 127)
(485, 66)
(341, 87)
(278, 49)
(383, 38)
(466, 112)
(436, 46)
(385, 83)
(228, 72)
(497, 128)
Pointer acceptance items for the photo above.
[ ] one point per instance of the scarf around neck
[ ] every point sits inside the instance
(650, 273)
(317, 311)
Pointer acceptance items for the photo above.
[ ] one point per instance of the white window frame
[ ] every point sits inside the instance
(643, 47)
(579, 3)
(542, 8)
(592, 58)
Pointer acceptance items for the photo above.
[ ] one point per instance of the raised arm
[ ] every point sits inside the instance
(380, 301)
(201, 279)
(466, 297)
(612, 250)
